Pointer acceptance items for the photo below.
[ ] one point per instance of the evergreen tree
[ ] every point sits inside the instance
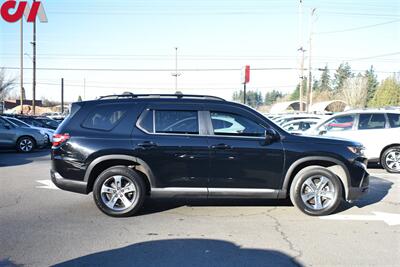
(271, 97)
(79, 99)
(372, 83)
(387, 93)
(324, 83)
(296, 93)
(342, 74)
(253, 98)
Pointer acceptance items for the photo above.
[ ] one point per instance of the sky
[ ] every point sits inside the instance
(109, 47)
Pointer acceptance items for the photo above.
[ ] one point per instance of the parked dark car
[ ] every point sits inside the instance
(38, 121)
(127, 147)
(21, 138)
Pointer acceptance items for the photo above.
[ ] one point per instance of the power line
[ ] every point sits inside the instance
(360, 28)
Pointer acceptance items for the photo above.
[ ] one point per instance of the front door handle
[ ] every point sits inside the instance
(221, 146)
(147, 144)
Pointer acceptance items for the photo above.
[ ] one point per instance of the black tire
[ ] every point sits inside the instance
(333, 189)
(26, 144)
(108, 179)
(385, 159)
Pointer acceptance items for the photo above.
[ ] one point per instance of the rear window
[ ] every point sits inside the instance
(394, 120)
(104, 117)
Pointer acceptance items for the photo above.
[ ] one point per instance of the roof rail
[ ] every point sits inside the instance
(178, 96)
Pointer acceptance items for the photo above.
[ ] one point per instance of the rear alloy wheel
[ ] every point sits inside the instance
(316, 191)
(119, 191)
(390, 159)
(25, 144)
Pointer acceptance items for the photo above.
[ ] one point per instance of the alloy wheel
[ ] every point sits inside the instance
(318, 192)
(392, 160)
(118, 193)
(26, 145)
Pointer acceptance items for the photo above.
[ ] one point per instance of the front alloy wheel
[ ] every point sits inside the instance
(316, 191)
(119, 191)
(391, 159)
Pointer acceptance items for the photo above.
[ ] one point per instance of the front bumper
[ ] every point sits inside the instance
(360, 181)
(67, 184)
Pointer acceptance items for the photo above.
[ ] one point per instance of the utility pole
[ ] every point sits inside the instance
(21, 97)
(34, 68)
(244, 93)
(309, 88)
(301, 49)
(84, 88)
(62, 95)
(176, 74)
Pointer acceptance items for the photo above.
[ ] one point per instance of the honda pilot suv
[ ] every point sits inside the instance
(128, 147)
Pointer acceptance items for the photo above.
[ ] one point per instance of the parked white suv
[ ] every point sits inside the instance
(377, 130)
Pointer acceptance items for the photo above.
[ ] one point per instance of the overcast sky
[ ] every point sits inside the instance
(134, 40)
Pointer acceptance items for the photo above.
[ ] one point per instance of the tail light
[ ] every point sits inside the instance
(59, 139)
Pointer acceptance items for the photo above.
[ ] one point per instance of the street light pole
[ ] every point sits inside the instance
(301, 49)
(176, 74)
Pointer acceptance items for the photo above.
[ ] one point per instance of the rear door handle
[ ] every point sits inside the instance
(221, 146)
(147, 144)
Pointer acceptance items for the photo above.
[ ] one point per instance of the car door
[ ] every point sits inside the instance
(7, 134)
(371, 128)
(172, 143)
(240, 157)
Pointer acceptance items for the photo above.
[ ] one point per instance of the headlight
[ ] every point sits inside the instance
(359, 150)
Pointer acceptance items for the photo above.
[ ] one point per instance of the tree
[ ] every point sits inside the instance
(296, 93)
(387, 93)
(372, 83)
(342, 74)
(253, 98)
(7, 84)
(324, 84)
(355, 91)
(271, 97)
(79, 99)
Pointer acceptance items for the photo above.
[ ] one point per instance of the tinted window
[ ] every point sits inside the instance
(394, 120)
(341, 123)
(146, 122)
(180, 122)
(104, 118)
(232, 124)
(371, 121)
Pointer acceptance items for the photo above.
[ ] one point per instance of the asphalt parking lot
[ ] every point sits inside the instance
(41, 226)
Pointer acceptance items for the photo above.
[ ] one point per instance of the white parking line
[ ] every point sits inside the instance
(47, 184)
(389, 218)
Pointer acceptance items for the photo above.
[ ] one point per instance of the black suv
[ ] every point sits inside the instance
(127, 147)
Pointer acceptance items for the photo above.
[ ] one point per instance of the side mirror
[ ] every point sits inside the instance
(322, 130)
(271, 136)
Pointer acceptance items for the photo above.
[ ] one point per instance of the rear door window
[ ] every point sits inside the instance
(104, 118)
(176, 122)
(394, 120)
(235, 125)
(372, 121)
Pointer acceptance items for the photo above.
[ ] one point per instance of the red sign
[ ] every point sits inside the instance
(246, 74)
(22, 8)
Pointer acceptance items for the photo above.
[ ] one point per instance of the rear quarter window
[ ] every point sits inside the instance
(394, 120)
(104, 117)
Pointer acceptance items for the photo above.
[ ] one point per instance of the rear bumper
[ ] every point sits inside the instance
(68, 185)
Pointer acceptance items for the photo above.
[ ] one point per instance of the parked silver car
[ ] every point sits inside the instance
(23, 139)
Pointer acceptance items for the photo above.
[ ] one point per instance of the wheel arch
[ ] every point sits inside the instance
(334, 165)
(102, 163)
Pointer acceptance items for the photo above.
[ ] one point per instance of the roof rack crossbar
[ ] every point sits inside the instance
(160, 96)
